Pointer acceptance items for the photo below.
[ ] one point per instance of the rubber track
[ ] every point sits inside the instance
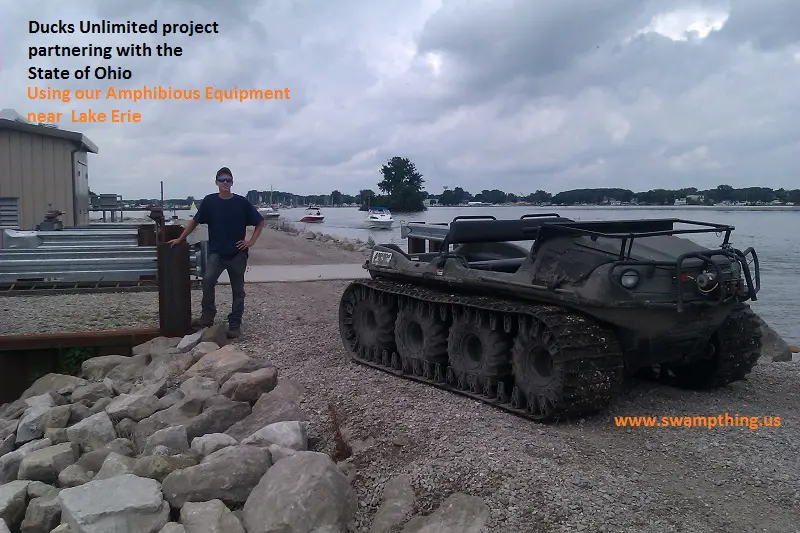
(591, 353)
(740, 337)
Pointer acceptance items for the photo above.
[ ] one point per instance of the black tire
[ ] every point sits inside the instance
(570, 369)
(734, 350)
(420, 336)
(368, 319)
(474, 348)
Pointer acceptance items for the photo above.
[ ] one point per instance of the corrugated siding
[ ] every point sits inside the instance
(37, 170)
(9, 213)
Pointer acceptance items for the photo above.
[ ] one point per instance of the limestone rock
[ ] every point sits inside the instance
(209, 517)
(173, 438)
(78, 412)
(150, 388)
(220, 415)
(300, 493)
(208, 444)
(60, 383)
(200, 387)
(92, 433)
(7, 444)
(9, 463)
(173, 527)
(13, 501)
(37, 489)
(190, 341)
(89, 394)
(279, 452)
(97, 368)
(397, 505)
(279, 405)
(179, 413)
(46, 464)
(121, 503)
(772, 344)
(74, 476)
(156, 345)
(133, 406)
(168, 366)
(57, 418)
(43, 514)
(248, 387)
(158, 467)
(30, 426)
(8, 427)
(228, 474)
(221, 364)
(289, 434)
(115, 465)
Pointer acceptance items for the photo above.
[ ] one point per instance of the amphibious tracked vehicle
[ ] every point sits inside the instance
(552, 329)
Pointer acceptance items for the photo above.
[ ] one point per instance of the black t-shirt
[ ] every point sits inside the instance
(227, 220)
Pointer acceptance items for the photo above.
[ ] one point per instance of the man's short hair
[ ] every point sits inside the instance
(224, 171)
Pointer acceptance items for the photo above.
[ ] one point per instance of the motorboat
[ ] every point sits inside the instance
(268, 212)
(379, 218)
(312, 215)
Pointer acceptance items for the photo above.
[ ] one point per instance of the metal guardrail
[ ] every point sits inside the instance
(85, 255)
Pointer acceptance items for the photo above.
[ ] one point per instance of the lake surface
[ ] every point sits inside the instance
(772, 232)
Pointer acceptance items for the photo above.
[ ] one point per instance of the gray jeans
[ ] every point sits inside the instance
(214, 268)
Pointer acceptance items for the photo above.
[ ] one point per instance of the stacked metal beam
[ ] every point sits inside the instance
(99, 254)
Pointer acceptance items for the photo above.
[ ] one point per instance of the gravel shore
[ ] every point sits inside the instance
(587, 475)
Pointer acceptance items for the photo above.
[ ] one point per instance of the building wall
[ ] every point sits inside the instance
(37, 169)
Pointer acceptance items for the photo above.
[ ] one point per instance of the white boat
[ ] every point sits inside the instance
(268, 212)
(313, 214)
(379, 218)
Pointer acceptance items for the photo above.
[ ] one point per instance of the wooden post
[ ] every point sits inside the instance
(174, 289)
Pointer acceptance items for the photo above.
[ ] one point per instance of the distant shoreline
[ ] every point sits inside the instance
(584, 207)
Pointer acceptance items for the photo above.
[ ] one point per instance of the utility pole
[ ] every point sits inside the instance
(162, 193)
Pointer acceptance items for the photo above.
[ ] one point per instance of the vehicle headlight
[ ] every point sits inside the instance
(736, 268)
(629, 279)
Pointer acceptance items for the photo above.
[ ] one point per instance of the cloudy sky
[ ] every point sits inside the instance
(517, 95)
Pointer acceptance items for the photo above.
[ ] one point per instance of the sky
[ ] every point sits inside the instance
(517, 95)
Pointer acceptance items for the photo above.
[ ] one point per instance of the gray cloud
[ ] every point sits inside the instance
(518, 95)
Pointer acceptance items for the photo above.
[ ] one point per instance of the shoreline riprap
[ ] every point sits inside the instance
(184, 436)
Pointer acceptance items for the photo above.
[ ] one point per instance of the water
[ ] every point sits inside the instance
(770, 231)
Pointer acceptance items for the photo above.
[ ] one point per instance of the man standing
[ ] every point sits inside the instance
(227, 215)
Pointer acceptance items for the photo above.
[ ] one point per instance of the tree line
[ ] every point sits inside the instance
(401, 189)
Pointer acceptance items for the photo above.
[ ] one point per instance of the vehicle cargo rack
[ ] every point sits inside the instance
(538, 227)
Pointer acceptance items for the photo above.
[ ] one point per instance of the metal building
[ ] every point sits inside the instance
(42, 168)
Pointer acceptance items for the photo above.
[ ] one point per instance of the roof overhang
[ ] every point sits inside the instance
(78, 138)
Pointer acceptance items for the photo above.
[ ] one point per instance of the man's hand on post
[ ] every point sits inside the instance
(173, 242)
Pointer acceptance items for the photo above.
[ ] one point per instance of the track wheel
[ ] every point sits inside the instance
(366, 319)
(732, 352)
(539, 371)
(420, 336)
(474, 348)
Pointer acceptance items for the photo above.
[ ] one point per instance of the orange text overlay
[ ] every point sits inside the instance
(707, 422)
(159, 92)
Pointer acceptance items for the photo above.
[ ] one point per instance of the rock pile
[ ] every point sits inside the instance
(184, 436)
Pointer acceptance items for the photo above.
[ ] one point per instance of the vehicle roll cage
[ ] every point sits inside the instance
(540, 227)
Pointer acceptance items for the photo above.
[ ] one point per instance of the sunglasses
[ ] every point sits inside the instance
(226, 180)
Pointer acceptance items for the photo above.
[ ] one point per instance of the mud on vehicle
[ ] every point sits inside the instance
(552, 329)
